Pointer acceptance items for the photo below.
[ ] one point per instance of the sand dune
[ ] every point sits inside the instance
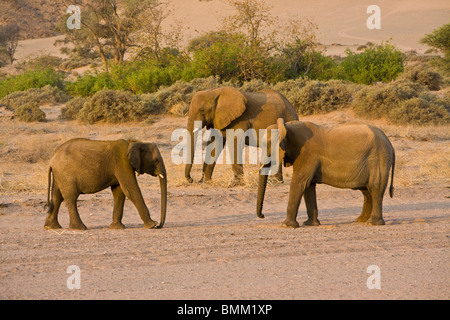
(342, 22)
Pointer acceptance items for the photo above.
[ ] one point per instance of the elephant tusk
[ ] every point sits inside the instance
(257, 170)
(161, 176)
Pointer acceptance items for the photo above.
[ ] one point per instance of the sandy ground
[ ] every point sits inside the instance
(213, 246)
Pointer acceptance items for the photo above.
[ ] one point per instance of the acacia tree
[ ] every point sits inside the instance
(254, 19)
(9, 39)
(298, 45)
(110, 24)
(152, 40)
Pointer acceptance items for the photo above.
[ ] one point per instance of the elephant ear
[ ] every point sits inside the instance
(134, 155)
(230, 105)
(282, 141)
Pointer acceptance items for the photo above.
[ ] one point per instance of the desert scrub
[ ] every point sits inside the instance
(72, 108)
(115, 106)
(423, 74)
(40, 96)
(420, 111)
(310, 97)
(30, 112)
(401, 102)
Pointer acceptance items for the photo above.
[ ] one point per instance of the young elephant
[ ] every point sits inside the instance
(355, 156)
(81, 166)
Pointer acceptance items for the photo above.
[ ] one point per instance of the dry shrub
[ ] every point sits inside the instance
(180, 109)
(401, 102)
(211, 82)
(72, 108)
(40, 96)
(179, 92)
(115, 106)
(419, 111)
(423, 74)
(30, 112)
(310, 97)
(254, 85)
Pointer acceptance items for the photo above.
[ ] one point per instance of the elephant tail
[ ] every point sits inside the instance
(391, 188)
(49, 204)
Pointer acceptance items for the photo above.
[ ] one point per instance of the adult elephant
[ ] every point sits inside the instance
(82, 166)
(354, 156)
(228, 108)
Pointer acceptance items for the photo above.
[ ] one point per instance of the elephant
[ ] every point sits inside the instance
(227, 108)
(354, 156)
(83, 166)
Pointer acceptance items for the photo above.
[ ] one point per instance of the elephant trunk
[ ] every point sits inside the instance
(262, 183)
(163, 186)
(192, 142)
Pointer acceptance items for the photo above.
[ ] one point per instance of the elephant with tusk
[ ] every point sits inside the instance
(228, 108)
(81, 166)
(354, 156)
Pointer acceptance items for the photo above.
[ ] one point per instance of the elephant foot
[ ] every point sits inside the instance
(275, 180)
(150, 225)
(189, 179)
(235, 182)
(78, 226)
(52, 225)
(290, 224)
(311, 222)
(203, 179)
(375, 222)
(362, 218)
(117, 225)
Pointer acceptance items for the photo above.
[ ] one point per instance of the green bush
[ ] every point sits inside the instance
(89, 84)
(216, 55)
(377, 63)
(40, 96)
(37, 78)
(136, 76)
(30, 112)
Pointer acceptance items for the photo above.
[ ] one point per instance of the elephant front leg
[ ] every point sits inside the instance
(311, 206)
(131, 190)
(236, 148)
(296, 190)
(213, 149)
(119, 201)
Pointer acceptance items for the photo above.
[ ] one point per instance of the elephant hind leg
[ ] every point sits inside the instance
(311, 206)
(367, 207)
(51, 222)
(376, 217)
(71, 202)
